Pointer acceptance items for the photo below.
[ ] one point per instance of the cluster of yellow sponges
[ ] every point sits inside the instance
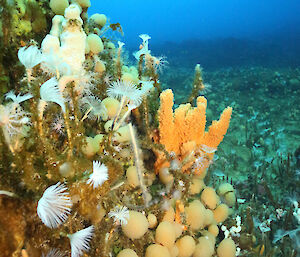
(176, 234)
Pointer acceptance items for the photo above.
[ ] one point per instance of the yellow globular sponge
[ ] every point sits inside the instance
(214, 230)
(209, 217)
(165, 234)
(210, 198)
(204, 248)
(83, 3)
(127, 253)
(136, 226)
(88, 148)
(221, 213)
(66, 169)
(122, 135)
(95, 43)
(209, 236)
(99, 19)
(178, 229)
(174, 251)
(186, 246)
(195, 215)
(196, 186)
(230, 199)
(165, 176)
(92, 145)
(128, 77)
(224, 188)
(107, 125)
(99, 67)
(111, 105)
(156, 250)
(226, 248)
(132, 176)
(226, 191)
(59, 6)
(152, 220)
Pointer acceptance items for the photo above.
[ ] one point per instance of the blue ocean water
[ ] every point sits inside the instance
(204, 19)
(216, 33)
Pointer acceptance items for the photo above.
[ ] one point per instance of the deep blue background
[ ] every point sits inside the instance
(215, 33)
(166, 20)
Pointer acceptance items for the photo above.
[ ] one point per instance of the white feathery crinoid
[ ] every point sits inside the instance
(54, 206)
(120, 89)
(93, 108)
(30, 56)
(120, 214)
(80, 241)
(17, 98)
(99, 175)
(50, 92)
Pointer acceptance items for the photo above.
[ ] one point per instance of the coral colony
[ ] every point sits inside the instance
(101, 161)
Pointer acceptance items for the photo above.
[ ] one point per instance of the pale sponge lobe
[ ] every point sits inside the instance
(127, 253)
(224, 188)
(221, 213)
(95, 43)
(186, 246)
(84, 3)
(111, 105)
(214, 230)
(210, 198)
(99, 67)
(196, 186)
(230, 199)
(122, 135)
(59, 6)
(226, 248)
(136, 226)
(165, 234)
(205, 248)
(226, 191)
(195, 215)
(209, 217)
(99, 19)
(152, 220)
(156, 250)
(132, 177)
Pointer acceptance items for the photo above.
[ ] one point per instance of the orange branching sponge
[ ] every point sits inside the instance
(183, 132)
(218, 129)
(166, 120)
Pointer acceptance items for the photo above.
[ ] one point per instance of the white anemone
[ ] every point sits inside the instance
(54, 206)
(30, 56)
(99, 175)
(80, 241)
